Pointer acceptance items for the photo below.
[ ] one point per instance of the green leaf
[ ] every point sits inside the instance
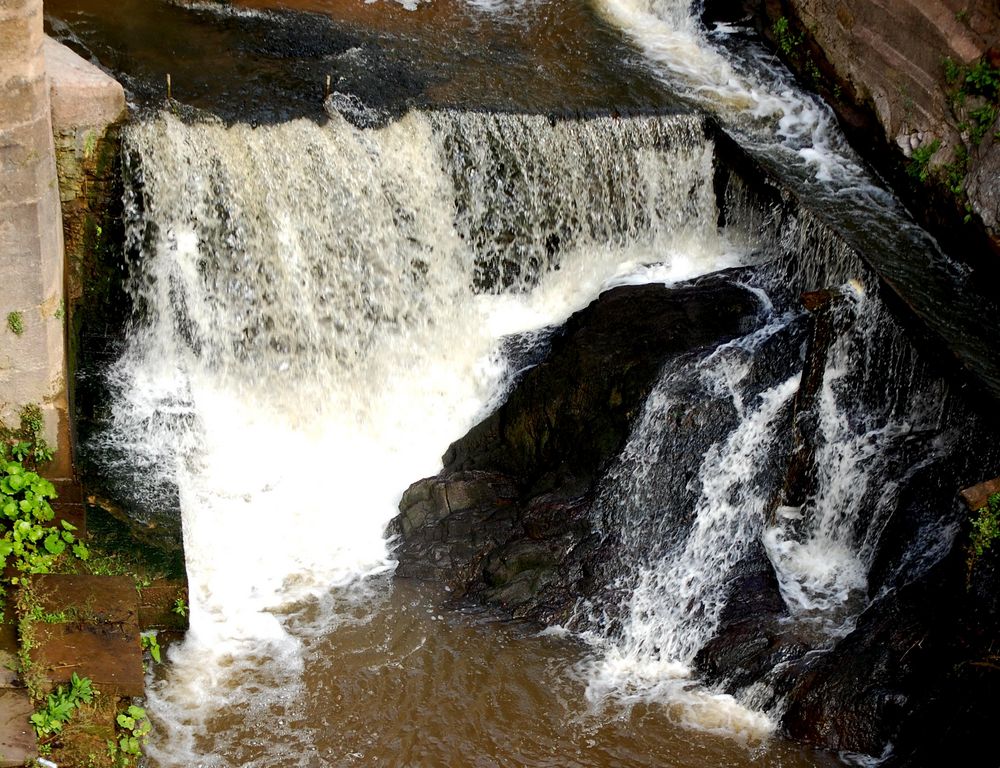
(67, 526)
(55, 544)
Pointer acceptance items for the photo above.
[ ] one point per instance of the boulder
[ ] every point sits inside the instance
(571, 413)
(752, 639)
(509, 520)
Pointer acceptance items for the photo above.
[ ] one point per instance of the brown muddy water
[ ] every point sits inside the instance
(392, 677)
(378, 673)
(268, 60)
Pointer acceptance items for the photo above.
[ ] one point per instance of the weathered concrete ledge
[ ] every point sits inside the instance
(88, 106)
(83, 97)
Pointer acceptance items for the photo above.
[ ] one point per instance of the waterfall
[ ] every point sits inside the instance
(319, 311)
(699, 485)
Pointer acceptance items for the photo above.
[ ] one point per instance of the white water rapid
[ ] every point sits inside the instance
(320, 312)
(310, 338)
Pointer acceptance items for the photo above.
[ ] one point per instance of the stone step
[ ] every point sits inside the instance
(69, 505)
(17, 737)
(109, 654)
(8, 654)
(68, 491)
(90, 627)
(88, 598)
(74, 514)
(157, 602)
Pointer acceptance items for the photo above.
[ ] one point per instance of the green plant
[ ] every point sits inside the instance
(148, 642)
(982, 120)
(785, 39)
(39, 614)
(980, 80)
(985, 527)
(133, 728)
(919, 166)
(60, 706)
(25, 514)
(26, 606)
(15, 321)
(952, 70)
(180, 607)
(26, 444)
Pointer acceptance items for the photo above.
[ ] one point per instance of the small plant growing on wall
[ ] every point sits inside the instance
(985, 528)
(15, 322)
(26, 444)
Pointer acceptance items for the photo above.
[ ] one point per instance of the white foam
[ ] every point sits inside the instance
(759, 100)
(311, 343)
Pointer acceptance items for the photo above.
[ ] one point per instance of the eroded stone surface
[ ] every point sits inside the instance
(17, 737)
(88, 625)
(82, 95)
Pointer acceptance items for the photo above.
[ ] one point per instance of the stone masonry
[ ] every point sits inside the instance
(47, 89)
(33, 361)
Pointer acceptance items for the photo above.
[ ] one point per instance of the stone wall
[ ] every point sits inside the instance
(32, 348)
(46, 89)
(87, 109)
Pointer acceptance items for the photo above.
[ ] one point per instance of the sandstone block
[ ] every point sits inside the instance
(82, 95)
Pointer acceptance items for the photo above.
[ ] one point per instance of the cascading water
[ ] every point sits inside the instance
(310, 337)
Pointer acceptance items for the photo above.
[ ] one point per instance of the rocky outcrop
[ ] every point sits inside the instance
(916, 679)
(517, 519)
(508, 521)
(915, 84)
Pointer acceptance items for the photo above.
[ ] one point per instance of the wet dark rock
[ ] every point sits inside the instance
(954, 704)
(753, 636)
(800, 477)
(571, 413)
(447, 526)
(855, 696)
(920, 669)
(509, 520)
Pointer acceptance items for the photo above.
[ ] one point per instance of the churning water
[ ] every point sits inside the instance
(319, 314)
